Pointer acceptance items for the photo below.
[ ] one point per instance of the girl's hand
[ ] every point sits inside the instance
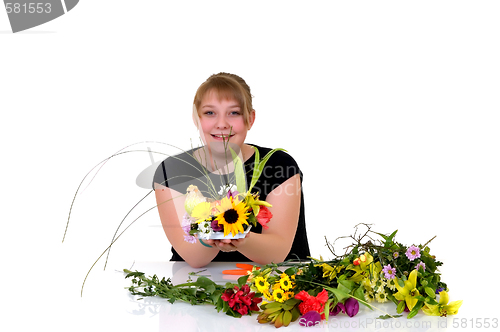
(227, 245)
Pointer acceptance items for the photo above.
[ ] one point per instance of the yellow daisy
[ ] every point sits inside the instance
(261, 284)
(232, 215)
(289, 295)
(285, 283)
(268, 295)
(201, 211)
(279, 295)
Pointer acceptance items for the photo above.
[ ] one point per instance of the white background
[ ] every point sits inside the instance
(390, 108)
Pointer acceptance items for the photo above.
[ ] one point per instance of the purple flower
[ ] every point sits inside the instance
(310, 318)
(412, 253)
(351, 307)
(216, 227)
(338, 308)
(186, 223)
(389, 272)
(232, 194)
(421, 264)
(190, 238)
(439, 289)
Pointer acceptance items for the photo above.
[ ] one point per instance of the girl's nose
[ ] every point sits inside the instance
(222, 123)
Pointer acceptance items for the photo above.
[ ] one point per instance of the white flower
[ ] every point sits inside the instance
(228, 187)
(205, 230)
(391, 283)
(381, 296)
(379, 284)
(369, 297)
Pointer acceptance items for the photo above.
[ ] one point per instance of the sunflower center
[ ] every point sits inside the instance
(231, 216)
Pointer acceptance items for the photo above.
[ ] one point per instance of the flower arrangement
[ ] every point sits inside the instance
(227, 217)
(370, 271)
(233, 211)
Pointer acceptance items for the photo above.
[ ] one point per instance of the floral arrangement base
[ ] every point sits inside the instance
(220, 235)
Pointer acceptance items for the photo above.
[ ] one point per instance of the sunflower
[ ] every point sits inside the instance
(232, 215)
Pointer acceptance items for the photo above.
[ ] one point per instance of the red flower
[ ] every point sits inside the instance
(264, 216)
(241, 300)
(309, 303)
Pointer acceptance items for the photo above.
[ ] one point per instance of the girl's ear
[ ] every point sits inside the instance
(251, 119)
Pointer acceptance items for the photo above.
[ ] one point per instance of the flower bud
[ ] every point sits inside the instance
(337, 309)
(311, 318)
(351, 307)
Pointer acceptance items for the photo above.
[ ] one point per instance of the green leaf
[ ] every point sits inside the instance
(415, 309)
(359, 294)
(243, 280)
(348, 284)
(290, 271)
(431, 301)
(327, 309)
(259, 166)
(339, 294)
(239, 172)
(429, 263)
(388, 316)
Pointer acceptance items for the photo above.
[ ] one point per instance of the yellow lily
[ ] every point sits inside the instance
(330, 271)
(365, 268)
(409, 291)
(442, 308)
(254, 203)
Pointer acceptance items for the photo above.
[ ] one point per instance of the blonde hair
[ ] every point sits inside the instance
(229, 87)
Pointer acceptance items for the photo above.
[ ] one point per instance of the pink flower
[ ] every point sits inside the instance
(412, 253)
(420, 265)
(389, 272)
(264, 216)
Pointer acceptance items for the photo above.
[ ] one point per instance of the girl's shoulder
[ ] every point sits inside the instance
(278, 158)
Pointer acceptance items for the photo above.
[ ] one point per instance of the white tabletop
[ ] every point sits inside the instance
(106, 304)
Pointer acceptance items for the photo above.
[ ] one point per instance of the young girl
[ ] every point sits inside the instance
(223, 113)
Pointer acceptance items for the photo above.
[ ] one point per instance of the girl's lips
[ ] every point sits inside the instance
(221, 137)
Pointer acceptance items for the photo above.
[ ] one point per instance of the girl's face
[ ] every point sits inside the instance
(222, 121)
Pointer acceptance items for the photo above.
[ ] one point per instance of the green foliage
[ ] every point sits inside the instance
(201, 291)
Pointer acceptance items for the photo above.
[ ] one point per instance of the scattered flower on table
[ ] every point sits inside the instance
(369, 274)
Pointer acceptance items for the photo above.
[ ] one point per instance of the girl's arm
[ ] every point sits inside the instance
(171, 209)
(273, 245)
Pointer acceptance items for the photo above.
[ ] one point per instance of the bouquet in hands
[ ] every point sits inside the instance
(232, 213)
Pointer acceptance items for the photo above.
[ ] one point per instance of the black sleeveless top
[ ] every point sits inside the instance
(178, 172)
